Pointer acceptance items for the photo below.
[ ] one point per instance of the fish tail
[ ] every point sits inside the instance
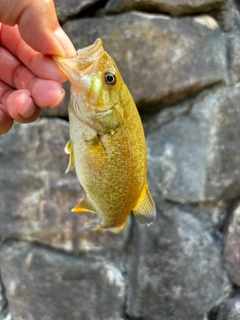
(145, 210)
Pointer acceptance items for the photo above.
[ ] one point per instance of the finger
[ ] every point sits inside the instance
(42, 66)
(13, 72)
(6, 121)
(46, 93)
(8, 64)
(38, 25)
(20, 105)
(43, 92)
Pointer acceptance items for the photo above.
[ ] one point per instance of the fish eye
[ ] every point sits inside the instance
(110, 78)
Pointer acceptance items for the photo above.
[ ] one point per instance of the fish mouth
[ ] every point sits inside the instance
(94, 50)
(87, 56)
(84, 59)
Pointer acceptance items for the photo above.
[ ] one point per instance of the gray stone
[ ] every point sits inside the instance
(70, 8)
(44, 285)
(229, 16)
(234, 49)
(162, 60)
(173, 7)
(231, 309)
(195, 157)
(6, 316)
(36, 196)
(3, 302)
(232, 246)
(211, 215)
(177, 272)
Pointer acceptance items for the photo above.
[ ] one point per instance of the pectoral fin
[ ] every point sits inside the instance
(109, 120)
(69, 150)
(145, 210)
(84, 206)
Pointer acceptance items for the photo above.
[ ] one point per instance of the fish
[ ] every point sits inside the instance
(107, 145)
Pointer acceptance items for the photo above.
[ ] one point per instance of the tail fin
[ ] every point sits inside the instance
(145, 210)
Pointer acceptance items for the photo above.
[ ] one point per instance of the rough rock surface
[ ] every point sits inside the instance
(173, 7)
(153, 53)
(3, 302)
(175, 246)
(232, 246)
(231, 310)
(210, 171)
(234, 48)
(228, 17)
(70, 8)
(211, 216)
(6, 316)
(44, 285)
(37, 197)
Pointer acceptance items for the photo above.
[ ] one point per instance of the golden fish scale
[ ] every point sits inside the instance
(112, 171)
(107, 143)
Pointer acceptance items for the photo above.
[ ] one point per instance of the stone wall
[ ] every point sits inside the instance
(181, 61)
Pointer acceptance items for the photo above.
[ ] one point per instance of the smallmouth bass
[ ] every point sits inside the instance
(107, 144)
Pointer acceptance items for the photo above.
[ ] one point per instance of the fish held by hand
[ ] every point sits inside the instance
(107, 144)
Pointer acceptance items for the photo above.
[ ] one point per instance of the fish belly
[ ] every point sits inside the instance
(111, 168)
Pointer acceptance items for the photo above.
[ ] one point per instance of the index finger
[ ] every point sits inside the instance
(41, 65)
(38, 25)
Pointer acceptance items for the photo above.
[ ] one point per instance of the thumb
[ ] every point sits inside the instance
(38, 25)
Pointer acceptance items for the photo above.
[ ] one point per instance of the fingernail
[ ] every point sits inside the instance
(61, 95)
(65, 43)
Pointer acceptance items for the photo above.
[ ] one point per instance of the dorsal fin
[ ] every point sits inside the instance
(69, 150)
(145, 210)
(84, 206)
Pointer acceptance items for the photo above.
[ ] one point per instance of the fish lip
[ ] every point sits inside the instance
(96, 47)
(65, 64)
(93, 48)
(84, 58)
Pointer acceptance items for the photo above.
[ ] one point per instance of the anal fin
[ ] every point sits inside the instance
(84, 206)
(69, 150)
(145, 210)
(117, 229)
(100, 227)
(91, 228)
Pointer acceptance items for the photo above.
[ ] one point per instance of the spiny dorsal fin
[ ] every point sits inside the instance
(84, 206)
(145, 210)
(69, 150)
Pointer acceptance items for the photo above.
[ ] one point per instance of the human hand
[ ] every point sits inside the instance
(29, 79)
